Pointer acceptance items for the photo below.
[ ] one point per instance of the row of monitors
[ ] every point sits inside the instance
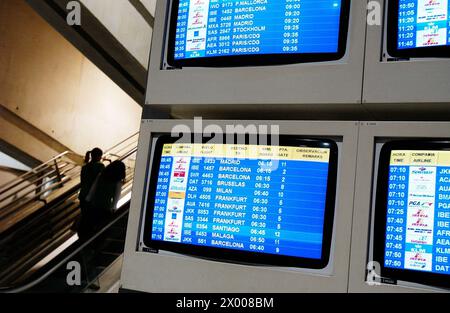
(220, 33)
(273, 203)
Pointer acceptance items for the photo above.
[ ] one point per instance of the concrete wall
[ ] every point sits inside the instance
(51, 85)
(12, 131)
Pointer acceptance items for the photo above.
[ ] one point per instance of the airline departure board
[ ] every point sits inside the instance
(271, 200)
(418, 28)
(423, 23)
(416, 213)
(231, 28)
(418, 219)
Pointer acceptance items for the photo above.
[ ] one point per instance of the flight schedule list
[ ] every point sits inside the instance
(211, 28)
(423, 23)
(251, 198)
(418, 212)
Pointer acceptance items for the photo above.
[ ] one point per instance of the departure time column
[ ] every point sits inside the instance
(181, 30)
(396, 216)
(407, 27)
(226, 24)
(291, 25)
(162, 189)
(260, 206)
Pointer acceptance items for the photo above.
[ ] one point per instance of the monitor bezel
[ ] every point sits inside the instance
(392, 39)
(257, 59)
(237, 256)
(379, 242)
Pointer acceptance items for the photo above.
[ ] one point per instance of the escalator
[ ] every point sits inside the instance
(39, 212)
(90, 259)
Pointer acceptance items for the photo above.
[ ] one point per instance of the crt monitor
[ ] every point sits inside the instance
(412, 217)
(245, 203)
(220, 33)
(418, 28)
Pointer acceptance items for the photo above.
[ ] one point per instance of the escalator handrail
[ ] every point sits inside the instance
(38, 182)
(77, 186)
(49, 164)
(120, 213)
(35, 171)
(41, 190)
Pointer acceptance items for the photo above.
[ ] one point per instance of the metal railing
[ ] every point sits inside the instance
(47, 181)
(35, 171)
(38, 185)
(46, 272)
(43, 215)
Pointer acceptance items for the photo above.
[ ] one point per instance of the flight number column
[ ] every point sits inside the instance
(219, 28)
(198, 201)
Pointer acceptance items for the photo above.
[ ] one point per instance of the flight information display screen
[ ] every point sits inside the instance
(421, 26)
(276, 201)
(212, 29)
(417, 212)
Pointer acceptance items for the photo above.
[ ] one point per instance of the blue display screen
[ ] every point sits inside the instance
(418, 211)
(218, 28)
(263, 199)
(423, 23)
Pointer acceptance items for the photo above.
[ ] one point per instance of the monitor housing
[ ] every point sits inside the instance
(425, 255)
(366, 274)
(393, 33)
(168, 271)
(399, 88)
(251, 59)
(244, 256)
(282, 88)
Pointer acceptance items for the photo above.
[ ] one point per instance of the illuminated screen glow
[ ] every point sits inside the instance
(217, 28)
(418, 211)
(253, 198)
(423, 23)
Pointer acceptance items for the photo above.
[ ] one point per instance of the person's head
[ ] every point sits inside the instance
(95, 155)
(115, 172)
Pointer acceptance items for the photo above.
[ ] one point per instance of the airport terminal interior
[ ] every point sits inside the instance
(225, 146)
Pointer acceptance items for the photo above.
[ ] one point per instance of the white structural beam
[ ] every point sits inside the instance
(126, 24)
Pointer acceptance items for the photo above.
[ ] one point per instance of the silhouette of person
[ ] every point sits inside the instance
(89, 173)
(105, 193)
